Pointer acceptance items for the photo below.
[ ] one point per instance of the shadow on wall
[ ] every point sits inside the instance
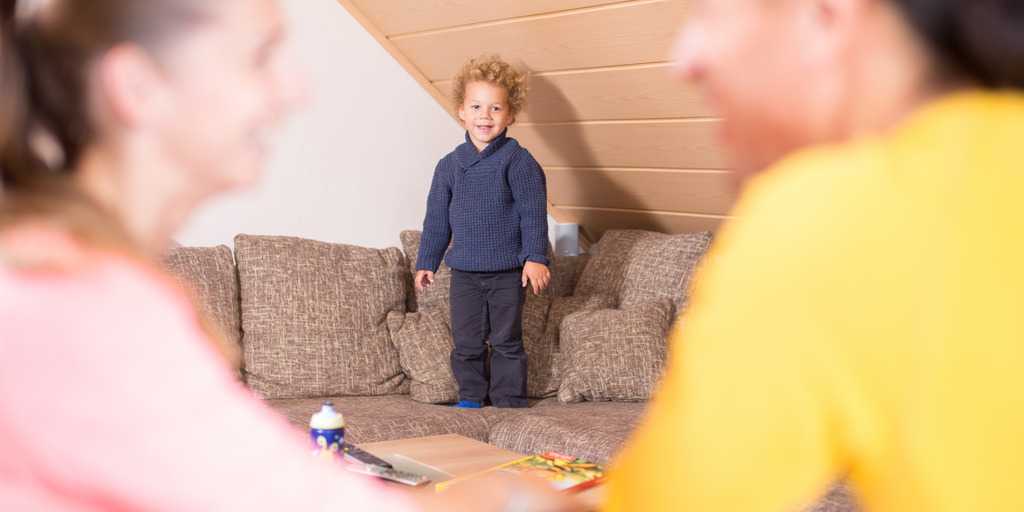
(566, 139)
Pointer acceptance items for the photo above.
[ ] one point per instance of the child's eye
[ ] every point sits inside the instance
(475, 107)
(496, 109)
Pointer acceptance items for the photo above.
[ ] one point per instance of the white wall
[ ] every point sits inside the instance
(355, 164)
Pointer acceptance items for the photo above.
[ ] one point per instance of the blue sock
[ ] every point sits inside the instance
(468, 405)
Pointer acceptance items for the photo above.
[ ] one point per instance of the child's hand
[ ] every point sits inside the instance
(423, 279)
(538, 274)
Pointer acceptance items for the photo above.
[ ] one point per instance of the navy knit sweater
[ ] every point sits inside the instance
(492, 206)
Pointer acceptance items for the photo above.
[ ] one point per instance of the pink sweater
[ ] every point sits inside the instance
(113, 398)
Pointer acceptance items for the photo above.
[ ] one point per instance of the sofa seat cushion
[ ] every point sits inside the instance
(384, 418)
(589, 430)
(614, 355)
(313, 316)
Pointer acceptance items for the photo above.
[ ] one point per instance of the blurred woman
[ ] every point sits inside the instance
(117, 117)
(862, 316)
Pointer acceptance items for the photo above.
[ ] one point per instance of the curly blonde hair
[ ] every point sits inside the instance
(495, 71)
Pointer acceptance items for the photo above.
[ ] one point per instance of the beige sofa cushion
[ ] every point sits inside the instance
(209, 278)
(424, 342)
(661, 266)
(313, 316)
(543, 366)
(436, 295)
(605, 270)
(538, 349)
(614, 355)
(565, 274)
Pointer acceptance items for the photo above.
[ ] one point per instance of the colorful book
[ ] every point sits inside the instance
(565, 473)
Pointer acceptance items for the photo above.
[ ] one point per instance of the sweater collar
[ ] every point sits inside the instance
(469, 155)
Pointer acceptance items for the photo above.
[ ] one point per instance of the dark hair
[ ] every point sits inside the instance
(46, 49)
(982, 40)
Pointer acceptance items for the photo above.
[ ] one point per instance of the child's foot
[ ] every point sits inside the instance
(468, 405)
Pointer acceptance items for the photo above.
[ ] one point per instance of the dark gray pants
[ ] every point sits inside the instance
(489, 306)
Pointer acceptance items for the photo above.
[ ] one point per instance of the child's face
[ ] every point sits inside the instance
(485, 112)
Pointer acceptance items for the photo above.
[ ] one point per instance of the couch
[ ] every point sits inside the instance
(320, 322)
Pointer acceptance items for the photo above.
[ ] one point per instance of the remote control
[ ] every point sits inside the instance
(402, 477)
(357, 454)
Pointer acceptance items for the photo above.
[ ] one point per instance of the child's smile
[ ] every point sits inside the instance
(485, 112)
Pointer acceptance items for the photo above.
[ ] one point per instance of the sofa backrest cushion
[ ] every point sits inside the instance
(606, 268)
(614, 355)
(544, 354)
(208, 276)
(565, 274)
(661, 266)
(539, 351)
(636, 265)
(424, 342)
(314, 317)
(436, 295)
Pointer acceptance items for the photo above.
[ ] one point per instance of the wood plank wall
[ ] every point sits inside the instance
(624, 144)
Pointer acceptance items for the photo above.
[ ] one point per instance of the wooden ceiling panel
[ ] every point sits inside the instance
(396, 17)
(670, 144)
(707, 192)
(589, 38)
(633, 92)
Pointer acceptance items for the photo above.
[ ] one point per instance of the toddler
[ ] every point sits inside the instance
(489, 199)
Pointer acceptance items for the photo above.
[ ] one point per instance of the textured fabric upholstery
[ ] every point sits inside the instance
(838, 498)
(209, 278)
(605, 270)
(313, 316)
(424, 342)
(603, 425)
(383, 418)
(614, 355)
(565, 274)
(436, 295)
(538, 351)
(543, 368)
(661, 265)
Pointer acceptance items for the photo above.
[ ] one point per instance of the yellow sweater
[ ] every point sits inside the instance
(864, 318)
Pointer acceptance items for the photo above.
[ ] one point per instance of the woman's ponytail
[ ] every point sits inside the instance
(982, 40)
(13, 115)
(22, 166)
(993, 36)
